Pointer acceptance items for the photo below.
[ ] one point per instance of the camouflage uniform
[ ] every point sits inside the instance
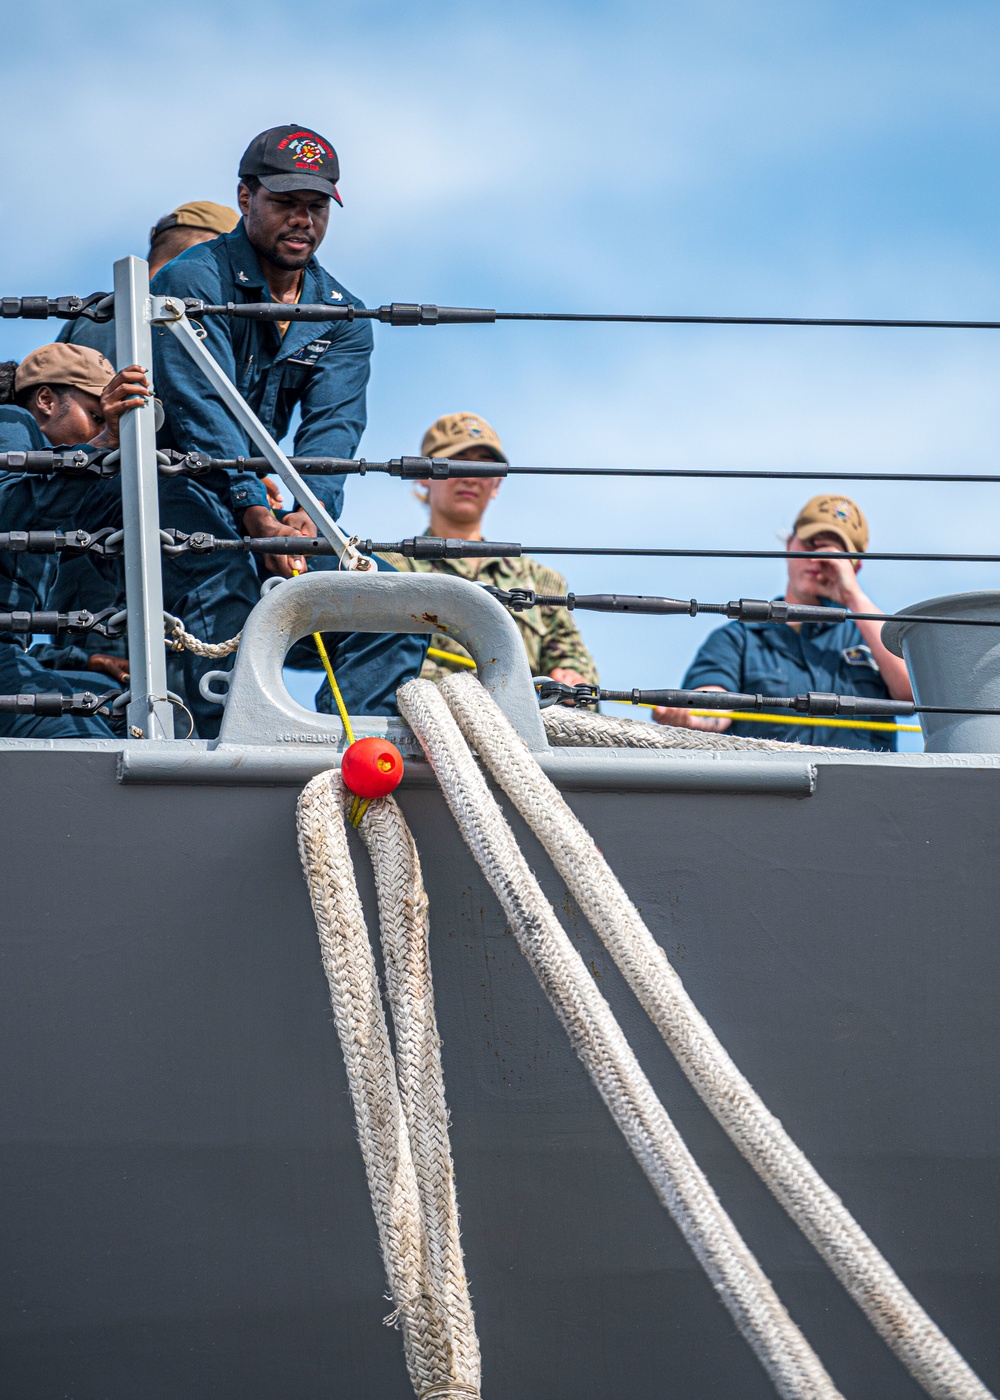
(550, 635)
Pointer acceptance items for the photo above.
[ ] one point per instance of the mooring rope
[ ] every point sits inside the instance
(916, 1340)
(399, 1102)
(568, 728)
(597, 1038)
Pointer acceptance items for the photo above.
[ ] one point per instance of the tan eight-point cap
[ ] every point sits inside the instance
(457, 431)
(833, 515)
(75, 365)
(200, 214)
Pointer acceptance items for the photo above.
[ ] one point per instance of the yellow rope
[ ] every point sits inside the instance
(345, 718)
(820, 723)
(800, 719)
(451, 656)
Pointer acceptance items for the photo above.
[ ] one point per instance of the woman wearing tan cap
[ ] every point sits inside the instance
(457, 506)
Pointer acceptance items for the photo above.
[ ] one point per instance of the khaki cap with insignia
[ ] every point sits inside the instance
(455, 432)
(76, 365)
(198, 213)
(833, 515)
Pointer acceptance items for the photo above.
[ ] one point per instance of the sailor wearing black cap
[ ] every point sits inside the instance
(288, 177)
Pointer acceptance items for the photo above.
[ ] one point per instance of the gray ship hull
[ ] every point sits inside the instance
(184, 1208)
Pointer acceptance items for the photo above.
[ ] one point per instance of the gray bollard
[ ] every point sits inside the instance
(953, 666)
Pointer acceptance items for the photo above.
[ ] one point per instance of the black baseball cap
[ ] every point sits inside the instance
(288, 158)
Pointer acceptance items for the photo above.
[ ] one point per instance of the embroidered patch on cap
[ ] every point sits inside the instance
(308, 150)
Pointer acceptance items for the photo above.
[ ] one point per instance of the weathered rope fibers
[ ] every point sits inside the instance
(568, 728)
(919, 1344)
(399, 1105)
(601, 1045)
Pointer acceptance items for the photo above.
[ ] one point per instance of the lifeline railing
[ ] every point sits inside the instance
(135, 310)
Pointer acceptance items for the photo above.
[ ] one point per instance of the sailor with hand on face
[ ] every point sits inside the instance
(789, 658)
(288, 178)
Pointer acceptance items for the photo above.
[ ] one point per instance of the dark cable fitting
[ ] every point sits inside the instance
(44, 541)
(398, 313)
(45, 462)
(99, 306)
(54, 622)
(44, 703)
(407, 468)
(428, 547)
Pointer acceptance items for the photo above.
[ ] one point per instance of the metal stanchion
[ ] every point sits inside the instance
(149, 714)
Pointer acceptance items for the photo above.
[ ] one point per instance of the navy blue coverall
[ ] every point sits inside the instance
(320, 367)
(24, 580)
(771, 658)
(212, 593)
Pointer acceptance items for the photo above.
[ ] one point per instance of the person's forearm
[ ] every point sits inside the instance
(891, 668)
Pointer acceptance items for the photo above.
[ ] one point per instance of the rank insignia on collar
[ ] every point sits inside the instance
(336, 296)
(243, 277)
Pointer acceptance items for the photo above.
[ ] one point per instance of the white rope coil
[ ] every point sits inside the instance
(920, 1345)
(399, 1105)
(601, 1045)
(568, 728)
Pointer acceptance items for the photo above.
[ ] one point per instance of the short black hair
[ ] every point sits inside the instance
(252, 182)
(8, 368)
(23, 396)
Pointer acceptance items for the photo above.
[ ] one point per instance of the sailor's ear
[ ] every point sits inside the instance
(243, 198)
(44, 400)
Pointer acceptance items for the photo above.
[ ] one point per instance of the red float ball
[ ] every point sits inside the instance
(371, 767)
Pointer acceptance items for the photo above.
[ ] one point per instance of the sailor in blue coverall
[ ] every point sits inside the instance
(780, 658)
(23, 585)
(212, 593)
(288, 177)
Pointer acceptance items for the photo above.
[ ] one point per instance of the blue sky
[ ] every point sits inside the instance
(761, 158)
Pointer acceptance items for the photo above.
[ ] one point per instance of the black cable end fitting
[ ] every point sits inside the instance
(777, 610)
(99, 306)
(403, 313)
(51, 703)
(430, 547)
(820, 703)
(438, 468)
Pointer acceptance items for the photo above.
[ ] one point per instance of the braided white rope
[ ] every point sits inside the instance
(180, 639)
(601, 1045)
(920, 1345)
(403, 919)
(567, 728)
(399, 1107)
